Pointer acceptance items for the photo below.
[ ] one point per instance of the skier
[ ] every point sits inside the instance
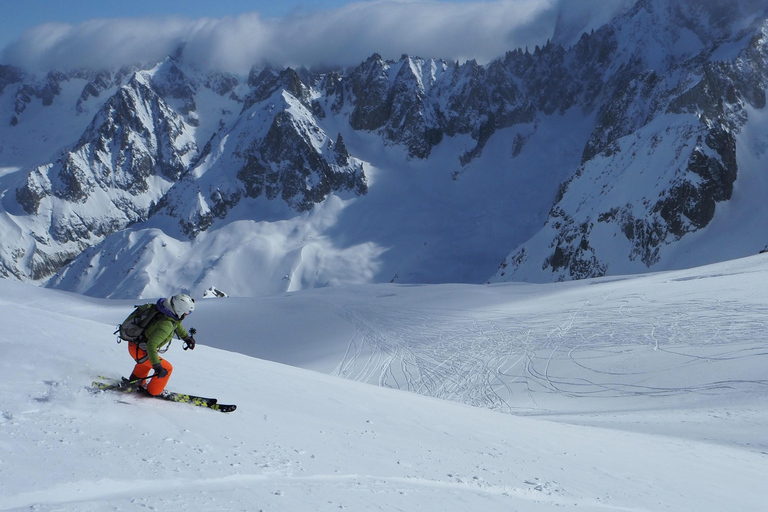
(155, 336)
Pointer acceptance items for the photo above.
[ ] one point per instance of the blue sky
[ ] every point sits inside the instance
(234, 35)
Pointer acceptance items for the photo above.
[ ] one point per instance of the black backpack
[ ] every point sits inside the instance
(132, 328)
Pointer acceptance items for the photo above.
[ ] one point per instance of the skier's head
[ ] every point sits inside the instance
(181, 304)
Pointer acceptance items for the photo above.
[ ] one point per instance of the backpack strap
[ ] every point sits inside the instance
(136, 357)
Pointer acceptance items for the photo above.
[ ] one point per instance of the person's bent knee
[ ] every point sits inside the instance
(157, 384)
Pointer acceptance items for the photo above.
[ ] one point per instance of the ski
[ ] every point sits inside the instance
(210, 403)
(126, 386)
(107, 384)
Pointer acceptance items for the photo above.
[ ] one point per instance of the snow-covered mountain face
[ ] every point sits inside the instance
(417, 170)
(145, 152)
(678, 143)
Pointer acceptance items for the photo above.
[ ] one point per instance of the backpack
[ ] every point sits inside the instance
(132, 328)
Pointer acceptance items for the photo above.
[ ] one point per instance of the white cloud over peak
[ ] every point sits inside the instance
(343, 36)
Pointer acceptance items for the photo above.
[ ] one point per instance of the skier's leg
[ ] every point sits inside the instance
(156, 384)
(143, 364)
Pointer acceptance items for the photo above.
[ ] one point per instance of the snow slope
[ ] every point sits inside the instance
(645, 393)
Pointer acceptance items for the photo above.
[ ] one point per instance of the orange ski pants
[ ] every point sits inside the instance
(144, 366)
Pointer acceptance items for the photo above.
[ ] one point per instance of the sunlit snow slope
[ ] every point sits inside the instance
(645, 393)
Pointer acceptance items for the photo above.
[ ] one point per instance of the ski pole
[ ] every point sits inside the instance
(141, 378)
(190, 346)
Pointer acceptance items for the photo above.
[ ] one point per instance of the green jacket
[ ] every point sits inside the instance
(159, 333)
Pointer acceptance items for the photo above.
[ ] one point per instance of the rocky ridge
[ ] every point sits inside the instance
(170, 142)
(668, 131)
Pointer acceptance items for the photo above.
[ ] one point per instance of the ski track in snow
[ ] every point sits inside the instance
(491, 360)
(670, 370)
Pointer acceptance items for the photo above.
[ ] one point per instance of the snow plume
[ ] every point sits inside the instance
(97, 43)
(343, 36)
(576, 17)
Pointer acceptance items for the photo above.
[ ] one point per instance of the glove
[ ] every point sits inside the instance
(160, 372)
(189, 343)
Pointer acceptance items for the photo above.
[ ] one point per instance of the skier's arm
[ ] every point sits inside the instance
(181, 331)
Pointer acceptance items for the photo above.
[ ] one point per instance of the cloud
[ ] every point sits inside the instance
(98, 43)
(343, 36)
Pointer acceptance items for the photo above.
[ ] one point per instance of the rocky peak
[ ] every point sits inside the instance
(45, 90)
(9, 75)
(369, 85)
(171, 82)
(297, 161)
(223, 84)
(102, 81)
(134, 137)
(268, 82)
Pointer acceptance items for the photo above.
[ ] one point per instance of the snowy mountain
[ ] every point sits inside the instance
(642, 393)
(638, 147)
(678, 144)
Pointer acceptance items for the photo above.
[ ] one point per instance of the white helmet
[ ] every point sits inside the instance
(181, 304)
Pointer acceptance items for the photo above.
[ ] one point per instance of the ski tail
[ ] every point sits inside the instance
(108, 384)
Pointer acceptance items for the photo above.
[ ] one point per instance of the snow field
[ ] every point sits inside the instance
(641, 394)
